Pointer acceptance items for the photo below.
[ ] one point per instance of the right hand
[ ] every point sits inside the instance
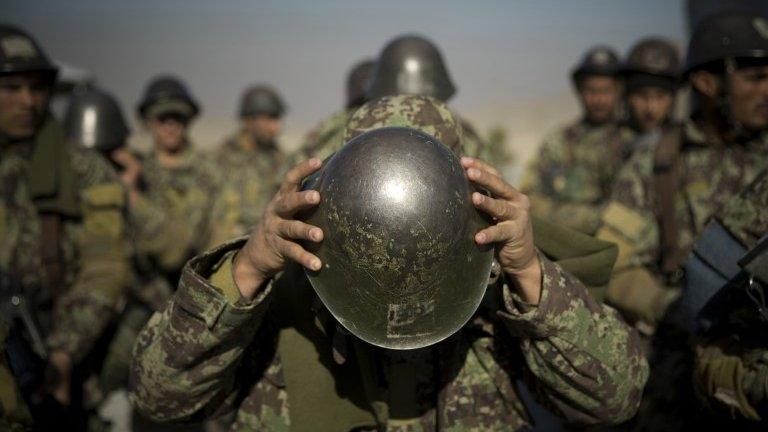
(276, 239)
(130, 175)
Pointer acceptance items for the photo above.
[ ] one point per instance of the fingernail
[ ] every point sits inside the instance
(313, 197)
(477, 198)
(314, 162)
(315, 264)
(316, 234)
(480, 237)
(473, 172)
(466, 159)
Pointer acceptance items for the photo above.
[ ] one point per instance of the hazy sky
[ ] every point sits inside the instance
(503, 55)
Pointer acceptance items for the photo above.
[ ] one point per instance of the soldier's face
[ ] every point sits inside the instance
(23, 103)
(599, 95)
(649, 107)
(168, 131)
(748, 97)
(263, 128)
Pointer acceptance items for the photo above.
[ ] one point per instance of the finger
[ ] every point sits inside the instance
(495, 184)
(498, 233)
(298, 230)
(296, 174)
(291, 202)
(470, 162)
(499, 209)
(295, 252)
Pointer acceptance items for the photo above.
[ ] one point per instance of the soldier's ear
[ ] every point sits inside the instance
(706, 83)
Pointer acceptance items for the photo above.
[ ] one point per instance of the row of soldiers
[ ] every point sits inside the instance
(87, 245)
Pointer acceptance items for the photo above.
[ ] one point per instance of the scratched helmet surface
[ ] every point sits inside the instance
(400, 269)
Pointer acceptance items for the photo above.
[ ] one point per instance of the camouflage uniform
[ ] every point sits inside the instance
(712, 174)
(248, 180)
(93, 243)
(732, 366)
(171, 217)
(272, 362)
(571, 179)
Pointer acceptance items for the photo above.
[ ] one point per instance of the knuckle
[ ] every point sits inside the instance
(525, 202)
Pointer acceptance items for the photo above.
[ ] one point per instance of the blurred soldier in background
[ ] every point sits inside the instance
(570, 180)
(63, 257)
(651, 75)
(664, 196)
(325, 138)
(250, 164)
(412, 64)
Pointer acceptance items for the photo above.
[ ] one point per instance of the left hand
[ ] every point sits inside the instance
(512, 232)
(59, 376)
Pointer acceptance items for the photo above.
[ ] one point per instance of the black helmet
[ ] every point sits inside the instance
(652, 62)
(94, 120)
(599, 60)
(401, 269)
(727, 35)
(20, 53)
(411, 65)
(261, 100)
(357, 82)
(167, 94)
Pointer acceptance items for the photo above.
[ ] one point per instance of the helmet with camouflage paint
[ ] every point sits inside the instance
(167, 94)
(261, 100)
(357, 82)
(20, 53)
(94, 120)
(401, 267)
(411, 64)
(725, 36)
(599, 60)
(420, 112)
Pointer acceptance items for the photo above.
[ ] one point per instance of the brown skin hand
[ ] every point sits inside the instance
(23, 103)
(276, 239)
(599, 96)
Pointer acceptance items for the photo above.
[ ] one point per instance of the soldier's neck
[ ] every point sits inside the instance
(171, 158)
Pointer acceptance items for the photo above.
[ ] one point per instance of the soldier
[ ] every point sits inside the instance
(651, 75)
(245, 334)
(731, 372)
(170, 188)
(570, 180)
(63, 253)
(325, 138)
(95, 120)
(412, 64)
(664, 196)
(252, 161)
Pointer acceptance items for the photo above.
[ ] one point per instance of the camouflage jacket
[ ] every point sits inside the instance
(328, 137)
(571, 179)
(712, 173)
(211, 354)
(731, 371)
(248, 179)
(93, 241)
(170, 219)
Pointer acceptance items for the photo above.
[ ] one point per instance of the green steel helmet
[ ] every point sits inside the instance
(727, 35)
(94, 120)
(411, 64)
(167, 94)
(401, 269)
(261, 100)
(419, 112)
(357, 82)
(653, 56)
(599, 60)
(20, 53)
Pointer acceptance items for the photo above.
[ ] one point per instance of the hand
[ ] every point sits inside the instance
(512, 232)
(59, 376)
(277, 237)
(131, 171)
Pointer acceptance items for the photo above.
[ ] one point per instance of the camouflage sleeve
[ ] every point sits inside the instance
(84, 310)
(186, 358)
(588, 364)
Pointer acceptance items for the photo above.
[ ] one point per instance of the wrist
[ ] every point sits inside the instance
(529, 281)
(248, 278)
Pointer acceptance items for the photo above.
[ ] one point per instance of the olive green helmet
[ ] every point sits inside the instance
(411, 64)
(599, 60)
(20, 53)
(261, 100)
(357, 82)
(401, 268)
(167, 94)
(94, 120)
